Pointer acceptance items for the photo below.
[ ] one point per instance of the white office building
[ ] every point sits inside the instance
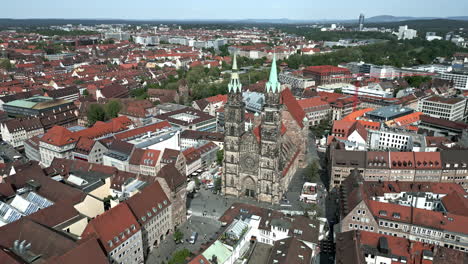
(460, 80)
(405, 33)
(452, 108)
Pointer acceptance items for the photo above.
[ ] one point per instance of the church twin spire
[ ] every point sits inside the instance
(273, 85)
(235, 86)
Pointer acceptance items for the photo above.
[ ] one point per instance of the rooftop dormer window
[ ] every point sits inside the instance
(383, 213)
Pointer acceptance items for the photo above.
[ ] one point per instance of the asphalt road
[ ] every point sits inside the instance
(206, 228)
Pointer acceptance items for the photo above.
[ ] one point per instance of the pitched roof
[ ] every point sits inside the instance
(173, 177)
(44, 240)
(293, 106)
(133, 133)
(313, 102)
(108, 229)
(148, 203)
(290, 250)
(59, 136)
(456, 203)
(87, 251)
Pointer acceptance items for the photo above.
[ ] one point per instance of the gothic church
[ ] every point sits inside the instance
(261, 158)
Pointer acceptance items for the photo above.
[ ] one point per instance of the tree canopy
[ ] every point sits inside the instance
(113, 108)
(96, 113)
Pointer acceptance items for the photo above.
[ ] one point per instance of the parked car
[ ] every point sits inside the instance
(193, 238)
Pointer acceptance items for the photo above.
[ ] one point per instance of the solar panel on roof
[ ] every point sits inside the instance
(24, 206)
(38, 200)
(9, 213)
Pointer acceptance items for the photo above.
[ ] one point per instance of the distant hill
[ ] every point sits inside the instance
(387, 18)
(430, 25)
(6, 22)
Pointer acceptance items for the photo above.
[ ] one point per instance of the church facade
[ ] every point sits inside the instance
(260, 160)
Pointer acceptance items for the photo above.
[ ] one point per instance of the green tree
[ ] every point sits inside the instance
(224, 50)
(179, 256)
(197, 181)
(313, 173)
(113, 108)
(178, 235)
(85, 92)
(220, 157)
(217, 184)
(107, 203)
(214, 72)
(338, 90)
(6, 64)
(96, 113)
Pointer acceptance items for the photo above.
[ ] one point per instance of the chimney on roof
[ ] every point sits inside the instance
(21, 249)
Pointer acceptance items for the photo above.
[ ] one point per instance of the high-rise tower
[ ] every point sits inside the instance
(361, 22)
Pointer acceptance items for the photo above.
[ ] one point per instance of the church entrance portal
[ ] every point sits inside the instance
(249, 187)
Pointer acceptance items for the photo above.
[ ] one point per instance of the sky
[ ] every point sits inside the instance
(222, 9)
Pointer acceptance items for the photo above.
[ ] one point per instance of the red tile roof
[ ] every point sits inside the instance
(112, 224)
(421, 217)
(59, 136)
(142, 130)
(428, 160)
(327, 69)
(402, 160)
(312, 102)
(293, 106)
(402, 247)
(359, 113)
(150, 157)
(456, 203)
(148, 203)
(405, 120)
(217, 98)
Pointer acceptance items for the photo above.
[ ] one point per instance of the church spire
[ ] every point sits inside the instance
(273, 85)
(235, 85)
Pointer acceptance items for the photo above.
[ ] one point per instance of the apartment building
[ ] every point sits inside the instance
(16, 131)
(327, 74)
(119, 233)
(445, 166)
(363, 209)
(453, 109)
(460, 80)
(189, 118)
(152, 209)
(315, 109)
(371, 248)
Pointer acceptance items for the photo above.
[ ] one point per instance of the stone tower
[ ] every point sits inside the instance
(254, 159)
(270, 139)
(234, 115)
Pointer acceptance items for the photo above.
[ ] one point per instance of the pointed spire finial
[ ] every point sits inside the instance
(235, 85)
(234, 63)
(273, 85)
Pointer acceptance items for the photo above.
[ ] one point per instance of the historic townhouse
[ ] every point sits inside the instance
(119, 234)
(421, 211)
(445, 166)
(152, 209)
